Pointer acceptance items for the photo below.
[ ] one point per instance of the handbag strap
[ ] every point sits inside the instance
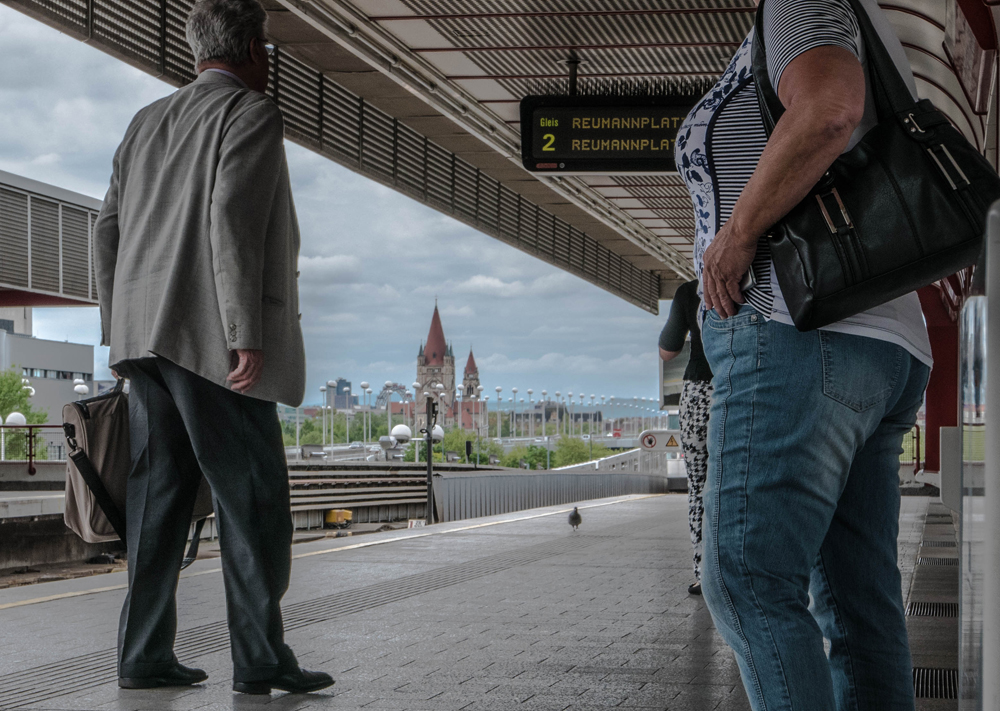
(96, 486)
(892, 96)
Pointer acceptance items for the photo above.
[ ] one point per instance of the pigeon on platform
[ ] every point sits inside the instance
(575, 519)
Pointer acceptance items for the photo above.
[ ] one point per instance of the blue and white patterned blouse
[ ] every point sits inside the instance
(722, 138)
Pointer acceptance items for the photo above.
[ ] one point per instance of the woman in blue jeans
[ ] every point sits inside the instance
(805, 429)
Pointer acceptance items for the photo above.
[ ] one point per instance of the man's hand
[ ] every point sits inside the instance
(725, 263)
(248, 369)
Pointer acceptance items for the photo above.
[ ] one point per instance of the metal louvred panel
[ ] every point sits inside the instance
(131, 26)
(527, 223)
(466, 190)
(299, 99)
(178, 60)
(75, 244)
(93, 260)
(545, 236)
(562, 249)
(13, 238)
(71, 12)
(44, 254)
(341, 125)
(410, 160)
(489, 202)
(439, 176)
(377, 142)
(324, 116)
(508, 214)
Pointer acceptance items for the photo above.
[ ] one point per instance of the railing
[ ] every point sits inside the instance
(634, 460)
(32, 443)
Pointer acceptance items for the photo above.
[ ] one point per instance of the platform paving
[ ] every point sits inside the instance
(507, 612)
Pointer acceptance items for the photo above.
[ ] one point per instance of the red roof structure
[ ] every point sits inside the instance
(436, 348)
(470, 366)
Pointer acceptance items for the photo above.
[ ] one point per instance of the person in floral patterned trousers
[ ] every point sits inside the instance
(696, 398)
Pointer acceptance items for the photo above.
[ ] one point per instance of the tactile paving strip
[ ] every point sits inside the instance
(31, 686)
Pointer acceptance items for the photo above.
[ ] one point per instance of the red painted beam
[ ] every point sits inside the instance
(15, 297)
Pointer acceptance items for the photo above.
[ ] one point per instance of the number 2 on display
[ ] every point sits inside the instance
(549, 139)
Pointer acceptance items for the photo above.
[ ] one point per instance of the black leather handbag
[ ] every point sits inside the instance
(903, 208)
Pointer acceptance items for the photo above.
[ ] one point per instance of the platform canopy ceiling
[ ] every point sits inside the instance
(423, 95)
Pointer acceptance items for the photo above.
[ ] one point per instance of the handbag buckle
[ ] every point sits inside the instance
(826, 214)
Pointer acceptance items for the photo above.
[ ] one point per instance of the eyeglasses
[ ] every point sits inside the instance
(269, 48)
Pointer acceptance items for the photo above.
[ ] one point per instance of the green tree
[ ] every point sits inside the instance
(570, 450)
(14, 398)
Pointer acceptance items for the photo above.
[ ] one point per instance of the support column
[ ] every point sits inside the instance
(942, 390)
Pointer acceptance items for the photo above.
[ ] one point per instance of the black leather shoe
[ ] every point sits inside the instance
(180, 675)
(299, 681)
(694, 588)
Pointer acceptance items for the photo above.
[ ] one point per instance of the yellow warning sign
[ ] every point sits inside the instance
(672, 442)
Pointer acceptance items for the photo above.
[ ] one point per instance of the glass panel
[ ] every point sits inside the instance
(973, 409)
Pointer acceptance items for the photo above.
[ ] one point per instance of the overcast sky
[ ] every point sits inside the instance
(372, 260)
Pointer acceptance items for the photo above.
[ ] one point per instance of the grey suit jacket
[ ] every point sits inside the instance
(197, 244)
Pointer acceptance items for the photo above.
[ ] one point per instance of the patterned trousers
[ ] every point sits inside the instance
(696, 398)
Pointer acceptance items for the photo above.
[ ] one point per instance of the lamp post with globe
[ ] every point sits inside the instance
(531, 412)
(499, 402)
(15, 419)
(322, 413)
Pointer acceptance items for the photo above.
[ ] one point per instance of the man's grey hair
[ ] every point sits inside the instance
(221, 30)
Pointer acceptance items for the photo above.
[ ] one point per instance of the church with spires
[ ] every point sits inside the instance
(436, 364)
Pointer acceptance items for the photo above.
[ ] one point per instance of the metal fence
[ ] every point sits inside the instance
(32, 443)
(465, 495)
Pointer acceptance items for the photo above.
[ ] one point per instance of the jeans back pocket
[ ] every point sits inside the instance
(859, 372)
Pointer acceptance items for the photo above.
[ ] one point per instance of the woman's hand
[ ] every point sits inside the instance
(724, 265)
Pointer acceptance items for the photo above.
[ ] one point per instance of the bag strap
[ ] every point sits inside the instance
(892, 96)
(192, 553)
(96, 486)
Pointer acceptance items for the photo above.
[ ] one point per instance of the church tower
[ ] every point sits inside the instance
(436, 361)
(470, 381)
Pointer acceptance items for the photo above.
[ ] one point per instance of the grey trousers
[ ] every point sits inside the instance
(180, 426)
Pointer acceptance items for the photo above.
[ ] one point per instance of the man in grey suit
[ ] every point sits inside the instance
(196, 249)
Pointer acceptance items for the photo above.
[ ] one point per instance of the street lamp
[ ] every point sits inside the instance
(569, 411)
(499, 401)
(513, 416)
(479, 426)
(322, 412)
(331, 390)
(558, 415)
(370, 403)
(545, 413)
(531, 422)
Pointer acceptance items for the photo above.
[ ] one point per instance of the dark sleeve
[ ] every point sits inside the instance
(676, 329)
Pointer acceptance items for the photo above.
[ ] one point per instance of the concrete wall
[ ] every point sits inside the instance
(21, 316)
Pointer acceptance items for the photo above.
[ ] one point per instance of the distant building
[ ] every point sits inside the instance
(49, 366)
(470, 381)
(342, 399)
(436, 361)
(436, 364)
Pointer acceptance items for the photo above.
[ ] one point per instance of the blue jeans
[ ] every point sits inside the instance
(801, 512)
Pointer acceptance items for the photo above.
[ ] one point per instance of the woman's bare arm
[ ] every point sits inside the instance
(823, 90)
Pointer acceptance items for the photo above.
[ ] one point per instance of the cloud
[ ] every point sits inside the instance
(372, 259)
(340, 269)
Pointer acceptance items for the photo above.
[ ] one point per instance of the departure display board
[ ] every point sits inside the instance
(601, 135)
